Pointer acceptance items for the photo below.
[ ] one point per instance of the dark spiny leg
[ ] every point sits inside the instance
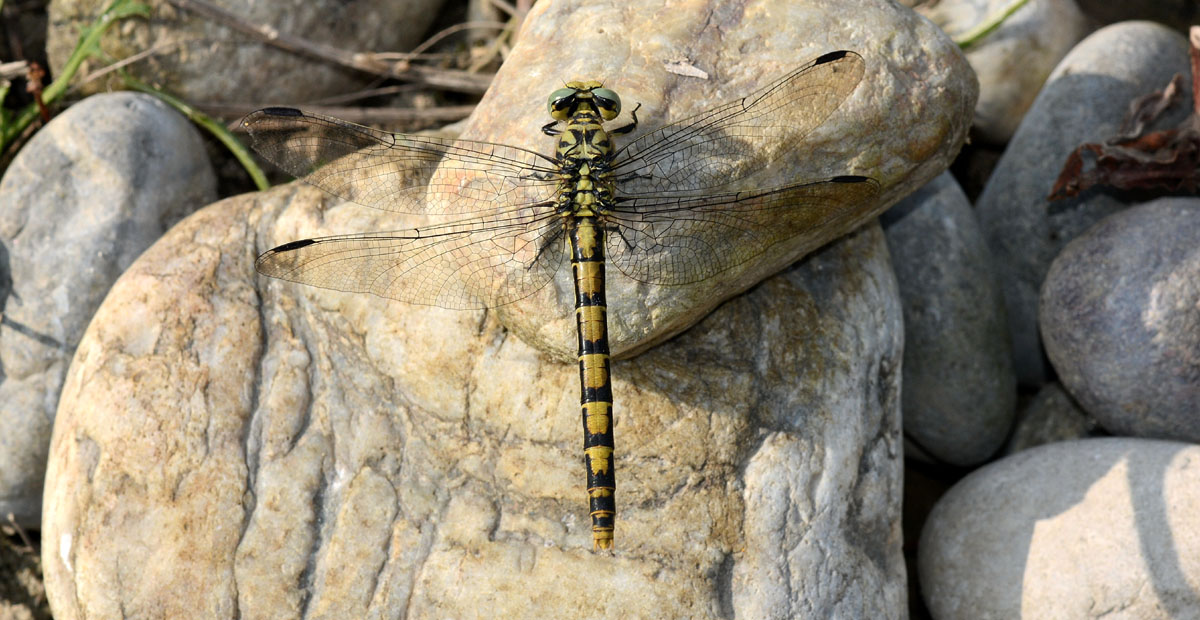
(549, 129)
(547, 245)
(631, 126)
(631, 176)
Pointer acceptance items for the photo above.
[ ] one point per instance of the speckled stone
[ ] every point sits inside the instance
(959, 389)
(1096, 528)
(82, 199)
(1084, 100)
(1120, 315)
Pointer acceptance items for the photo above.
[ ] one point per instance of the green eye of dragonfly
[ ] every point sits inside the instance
(608, 102)
(558, 103)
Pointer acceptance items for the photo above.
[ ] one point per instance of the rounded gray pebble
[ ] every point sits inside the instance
(82, 200)
(1095, 528)
(1120, 316)
(959, 391)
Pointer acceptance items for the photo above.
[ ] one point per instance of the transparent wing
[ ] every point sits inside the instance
(400, 172)
(685, 239)
(732, 141)
(467, 264)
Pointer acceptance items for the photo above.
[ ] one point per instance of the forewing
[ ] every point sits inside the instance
(467, 264)
(400, 172)
(685, 239)
(729, 142)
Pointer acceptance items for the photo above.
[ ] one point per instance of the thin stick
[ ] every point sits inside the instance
(124, 62)
(438, 36)
(360, 115)
(395, 89)
(12, 520)
(16, 68)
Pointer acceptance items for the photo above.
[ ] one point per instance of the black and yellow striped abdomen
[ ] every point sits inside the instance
(591, 319)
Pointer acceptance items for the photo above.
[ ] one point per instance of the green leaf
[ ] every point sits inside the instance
(89, 43)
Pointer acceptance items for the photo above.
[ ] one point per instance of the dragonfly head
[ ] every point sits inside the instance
(566, 101)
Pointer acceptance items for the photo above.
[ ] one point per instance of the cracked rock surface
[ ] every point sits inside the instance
(232, 445)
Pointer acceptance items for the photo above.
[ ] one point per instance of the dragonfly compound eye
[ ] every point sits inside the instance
(560, 103)
(608, 102)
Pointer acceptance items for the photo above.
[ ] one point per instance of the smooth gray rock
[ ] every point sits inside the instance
(959, 388)
(1051, 416)
(1095, 528)
(1120, 315)
(201, 60)
(1014, 60)
(80, 202)
(1084, 100)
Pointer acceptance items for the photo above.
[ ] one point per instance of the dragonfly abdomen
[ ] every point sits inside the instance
(591, 319)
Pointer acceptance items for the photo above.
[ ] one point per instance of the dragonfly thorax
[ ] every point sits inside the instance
(584, 153)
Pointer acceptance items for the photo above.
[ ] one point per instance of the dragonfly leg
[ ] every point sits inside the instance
(550, 130)
(548, 244)
(632, 125)
(540, 176)
(633, 175)
(612, 228)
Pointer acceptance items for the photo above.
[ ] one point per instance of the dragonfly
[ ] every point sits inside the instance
(665, 208)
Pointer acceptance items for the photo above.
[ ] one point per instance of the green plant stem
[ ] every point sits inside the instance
(971, 37)
(88, 44)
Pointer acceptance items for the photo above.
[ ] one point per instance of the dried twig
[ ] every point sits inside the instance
(125, 62)
(12, 521)
(418, 52)
(10, 70)
(361, 115)
(1136, 160)
(365, 93)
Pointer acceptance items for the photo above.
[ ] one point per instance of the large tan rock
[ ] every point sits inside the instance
(902, 126)
(233, 445)
(223, 448)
